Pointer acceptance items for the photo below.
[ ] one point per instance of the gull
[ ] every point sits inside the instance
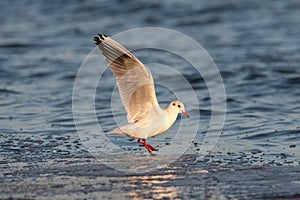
(136, 87)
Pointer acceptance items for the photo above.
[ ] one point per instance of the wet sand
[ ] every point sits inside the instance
(55, 167)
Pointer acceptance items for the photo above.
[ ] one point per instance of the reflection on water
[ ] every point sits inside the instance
(157, 184)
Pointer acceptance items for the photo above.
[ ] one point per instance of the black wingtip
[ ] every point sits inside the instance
(98, 39)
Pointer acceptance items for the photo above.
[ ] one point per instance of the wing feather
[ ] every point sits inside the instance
(134, 80)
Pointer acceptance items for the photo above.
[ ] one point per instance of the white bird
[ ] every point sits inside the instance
(136, 87)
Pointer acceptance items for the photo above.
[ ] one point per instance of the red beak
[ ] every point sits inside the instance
(185, 114)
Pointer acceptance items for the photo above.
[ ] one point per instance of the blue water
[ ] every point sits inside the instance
(254, 44)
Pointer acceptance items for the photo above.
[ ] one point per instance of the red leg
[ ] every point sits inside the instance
(148, 146)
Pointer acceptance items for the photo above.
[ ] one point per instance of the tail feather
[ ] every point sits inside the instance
(116, 131)
(128, 130)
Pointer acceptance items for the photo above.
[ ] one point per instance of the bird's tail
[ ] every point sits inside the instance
(116, 131)
(128, 130)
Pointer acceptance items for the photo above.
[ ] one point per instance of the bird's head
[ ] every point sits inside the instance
(179, 107)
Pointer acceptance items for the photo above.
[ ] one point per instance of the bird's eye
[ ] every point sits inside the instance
(179, 106)
(173, 104)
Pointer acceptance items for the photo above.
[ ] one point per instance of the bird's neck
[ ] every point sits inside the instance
(171, 114)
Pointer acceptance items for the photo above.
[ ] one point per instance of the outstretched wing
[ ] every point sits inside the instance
(134, 80)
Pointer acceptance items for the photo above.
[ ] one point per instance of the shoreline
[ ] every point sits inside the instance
(186, 178)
